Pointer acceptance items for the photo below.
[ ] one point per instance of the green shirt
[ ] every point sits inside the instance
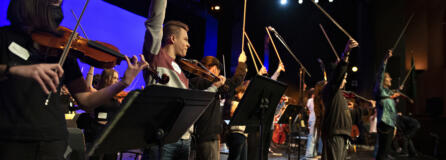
(386, 106)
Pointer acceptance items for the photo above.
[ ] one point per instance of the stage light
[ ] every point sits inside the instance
(316, 1)
(330, 1)
(283, 2)
(300, 1)
(217, 7)
(355, 69)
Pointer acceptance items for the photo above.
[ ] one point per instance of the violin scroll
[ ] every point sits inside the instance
(163, 79)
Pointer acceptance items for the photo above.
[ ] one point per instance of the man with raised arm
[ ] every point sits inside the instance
(337, 121)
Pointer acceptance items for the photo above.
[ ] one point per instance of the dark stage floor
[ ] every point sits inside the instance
(362, 153)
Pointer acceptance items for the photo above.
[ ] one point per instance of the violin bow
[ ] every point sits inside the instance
(243, 25)
(252, 57)
(274, 45)
(90, 73)
(333, 20)
(356, 95)
(70, 40)
(255, 52)
(403, 95)
(252, 49)
(402, 32)
(329, 42)
(64, 55)
(289, 50)
(224, 65)
(205, 68)
(80, 25)
(406, 77)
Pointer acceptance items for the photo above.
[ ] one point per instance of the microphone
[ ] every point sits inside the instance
(271, 29)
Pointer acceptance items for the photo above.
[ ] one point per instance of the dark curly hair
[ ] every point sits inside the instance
(319, 108)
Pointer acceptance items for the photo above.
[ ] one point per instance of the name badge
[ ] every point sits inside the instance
(102, 115)
(176, 67)
(19, 51)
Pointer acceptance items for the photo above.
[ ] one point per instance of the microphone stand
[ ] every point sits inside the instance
(291, 52)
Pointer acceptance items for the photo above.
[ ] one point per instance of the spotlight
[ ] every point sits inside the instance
(301, 1)
(330, 1)
(283, 2)
(316, 1)
(217, 7)
(355, 69)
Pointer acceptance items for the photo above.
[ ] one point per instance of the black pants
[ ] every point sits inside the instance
(35, 150)
(237, 147)
(253, 145)
(407, 145)
(385, 136)
(334, 147)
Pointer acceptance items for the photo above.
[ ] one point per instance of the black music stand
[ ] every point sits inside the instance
(288, 118)
(290, 112)
(157, 115)
(258, 105)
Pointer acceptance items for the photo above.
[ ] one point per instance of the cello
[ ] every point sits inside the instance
(280, 130)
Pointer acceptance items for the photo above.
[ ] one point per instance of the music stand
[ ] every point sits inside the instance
(290, 111)
(156, 115)
(288, 118)
(257, 106)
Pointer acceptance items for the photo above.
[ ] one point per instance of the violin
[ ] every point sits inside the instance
(95, 53)
(350, 94)
(193, 67)
(196, 68)
(403, 95)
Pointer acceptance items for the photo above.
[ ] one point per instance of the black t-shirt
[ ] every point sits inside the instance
(337, 119)
(208, 126)
(23, 115)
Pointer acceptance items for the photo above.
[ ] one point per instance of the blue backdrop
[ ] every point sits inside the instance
(108, 23)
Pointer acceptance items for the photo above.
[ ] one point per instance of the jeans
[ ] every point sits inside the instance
(311, 140)
(178, 151)
(311, 144)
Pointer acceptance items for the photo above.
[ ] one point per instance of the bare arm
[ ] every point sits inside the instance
(90, 100)
(276, 74)
(90, 75)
